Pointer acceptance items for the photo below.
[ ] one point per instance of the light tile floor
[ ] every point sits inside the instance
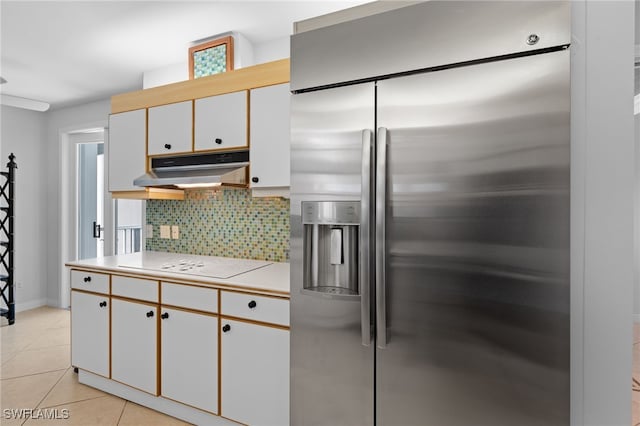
(35, 373)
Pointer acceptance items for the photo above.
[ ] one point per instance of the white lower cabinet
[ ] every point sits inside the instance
(255, 373)
(134, 344)
(189, 358)
(90, 332)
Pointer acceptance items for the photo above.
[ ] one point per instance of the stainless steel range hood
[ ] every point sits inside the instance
(196, 170)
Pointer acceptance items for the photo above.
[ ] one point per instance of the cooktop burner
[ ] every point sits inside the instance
(206, 266)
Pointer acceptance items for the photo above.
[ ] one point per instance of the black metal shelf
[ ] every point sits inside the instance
(7, 196)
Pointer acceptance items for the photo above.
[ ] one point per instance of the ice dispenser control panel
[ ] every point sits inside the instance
(331, 246)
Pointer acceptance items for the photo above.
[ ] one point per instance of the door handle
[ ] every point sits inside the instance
(381, 204)
(365, 240)
(96, 230)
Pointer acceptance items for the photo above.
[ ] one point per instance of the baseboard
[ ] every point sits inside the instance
(636, 318)
(31, 304)
(55, 303)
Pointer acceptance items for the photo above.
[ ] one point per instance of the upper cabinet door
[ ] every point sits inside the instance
(270, 136)
(170, 128)
(221, 121)
(126, 149)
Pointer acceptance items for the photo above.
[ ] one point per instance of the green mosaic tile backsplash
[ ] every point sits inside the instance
(228, 222)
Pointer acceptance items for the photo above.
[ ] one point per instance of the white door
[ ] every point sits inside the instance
(134, 344)
(90, 332)
(255, 373)
(189, 358)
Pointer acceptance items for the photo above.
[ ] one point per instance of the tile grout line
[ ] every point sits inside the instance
(54, 385)
(122, 412)
(34, 374)
(75, 402)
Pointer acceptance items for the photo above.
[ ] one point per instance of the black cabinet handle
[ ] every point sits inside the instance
(87, 279)
(252, 304)
(149, 314)
(167, 145)
(226, 328)
(103, 304)
(255, 179)
(165, 315)
(218, 141)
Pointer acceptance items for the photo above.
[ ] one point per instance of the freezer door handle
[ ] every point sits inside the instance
(381, 196)
(365, 240)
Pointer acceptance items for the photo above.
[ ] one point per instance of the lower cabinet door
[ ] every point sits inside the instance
(189, 358)
(90, 332)
(255, 373)
(134, 344)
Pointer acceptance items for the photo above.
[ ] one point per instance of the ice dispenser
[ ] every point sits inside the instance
(331, 247)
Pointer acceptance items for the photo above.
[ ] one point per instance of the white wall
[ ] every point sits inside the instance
(23, 133)
(91, 115)
(272, 50)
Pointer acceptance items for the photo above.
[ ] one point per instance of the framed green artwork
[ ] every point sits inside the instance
(210, 58)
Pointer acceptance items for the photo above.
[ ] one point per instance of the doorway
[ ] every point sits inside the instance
(90, 199)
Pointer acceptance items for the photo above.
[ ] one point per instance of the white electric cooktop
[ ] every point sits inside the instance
(205, 266)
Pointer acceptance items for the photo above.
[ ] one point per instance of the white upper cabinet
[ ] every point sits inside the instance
(126, 149)
(221, 121)
(270, 140)
(170, 128)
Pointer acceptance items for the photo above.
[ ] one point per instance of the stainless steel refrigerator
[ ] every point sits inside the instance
(430, 217)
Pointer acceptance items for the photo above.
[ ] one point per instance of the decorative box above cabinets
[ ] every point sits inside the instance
(270, 139)
(221, 122)
(170, 128)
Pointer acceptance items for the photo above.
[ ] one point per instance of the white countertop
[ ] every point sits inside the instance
(272, 278)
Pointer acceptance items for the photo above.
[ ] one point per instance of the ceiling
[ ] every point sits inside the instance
(71, 52)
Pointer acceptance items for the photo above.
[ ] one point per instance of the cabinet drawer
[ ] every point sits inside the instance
(135, 288)
(202, 299)
(257, 308)
(90, 281)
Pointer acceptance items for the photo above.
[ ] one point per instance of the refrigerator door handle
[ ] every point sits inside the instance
(365, 240)
(381, 197)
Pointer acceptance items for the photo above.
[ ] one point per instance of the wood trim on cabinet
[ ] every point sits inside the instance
(237, 288)
(159, 343)
(219, 356)
(80, 290)
(272, 296)
(110, 317)
(193, 125)
(150, 194)
(268, 74)
(254, 322)
(188, 310)
(147, 166)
